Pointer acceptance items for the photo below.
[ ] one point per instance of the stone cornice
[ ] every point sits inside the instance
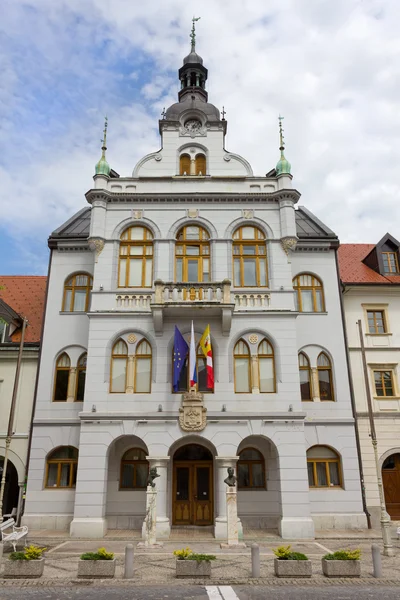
(194, 197)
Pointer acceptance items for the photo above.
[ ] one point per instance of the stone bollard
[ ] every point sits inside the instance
(128, 572)
(255, 560)
(376, 560)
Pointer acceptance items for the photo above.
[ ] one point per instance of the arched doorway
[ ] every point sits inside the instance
(192, 491)
(11, 489)
(391, 485)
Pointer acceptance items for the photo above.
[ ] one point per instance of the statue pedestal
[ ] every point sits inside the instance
(150, 522)
(232, 520)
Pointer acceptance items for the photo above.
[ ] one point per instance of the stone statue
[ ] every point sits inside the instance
(231, 479)
(152, 475)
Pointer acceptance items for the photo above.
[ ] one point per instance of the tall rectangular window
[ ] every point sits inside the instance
(376, 321)
(384, 384)
(390, 262)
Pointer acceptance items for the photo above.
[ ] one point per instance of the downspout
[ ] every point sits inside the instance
(28, 456)
(10, 427)
(352, 397)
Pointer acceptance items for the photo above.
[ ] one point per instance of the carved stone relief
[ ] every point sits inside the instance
(96, 245)
(192, 413)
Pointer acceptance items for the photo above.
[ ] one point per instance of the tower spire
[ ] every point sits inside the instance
(102, 167)
(283, 166)
(193, 34)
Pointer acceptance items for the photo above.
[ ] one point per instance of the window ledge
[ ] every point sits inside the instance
(76, 312)
(386, 397)
(378, 334)
(311, 313)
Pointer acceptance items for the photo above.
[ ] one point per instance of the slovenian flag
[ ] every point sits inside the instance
(205, 345)
(192, 360)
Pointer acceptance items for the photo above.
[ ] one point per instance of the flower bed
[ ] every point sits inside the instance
(28, 564)
(97, 565)
(192, 565)
(343, 563)
(291, 564)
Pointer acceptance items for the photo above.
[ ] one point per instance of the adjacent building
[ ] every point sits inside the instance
(193, 235)
(20, 297)
(370, 278)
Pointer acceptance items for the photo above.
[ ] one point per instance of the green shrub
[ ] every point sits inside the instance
(201, 557)
(30, 553)
(285, 553)
(344, 555)
(101, 554)
(183, 554)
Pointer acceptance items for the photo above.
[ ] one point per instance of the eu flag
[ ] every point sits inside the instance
(180, 352)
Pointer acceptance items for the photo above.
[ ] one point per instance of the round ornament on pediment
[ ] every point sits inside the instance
(253, 338)
(131, 338)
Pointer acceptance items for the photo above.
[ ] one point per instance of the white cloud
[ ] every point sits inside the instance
(331, 68)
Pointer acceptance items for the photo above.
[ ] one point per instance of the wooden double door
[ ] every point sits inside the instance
(391, 485)
(192, 493)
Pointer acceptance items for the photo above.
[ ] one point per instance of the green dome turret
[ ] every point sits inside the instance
(283, 166)
(102, 167)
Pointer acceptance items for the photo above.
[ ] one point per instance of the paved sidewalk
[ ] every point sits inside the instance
(233, 566)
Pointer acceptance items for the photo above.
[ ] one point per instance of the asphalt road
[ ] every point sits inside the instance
(289, 592)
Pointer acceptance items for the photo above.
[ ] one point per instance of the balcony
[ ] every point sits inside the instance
(175, 299)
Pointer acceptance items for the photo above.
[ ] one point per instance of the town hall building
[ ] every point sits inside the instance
(193, 235)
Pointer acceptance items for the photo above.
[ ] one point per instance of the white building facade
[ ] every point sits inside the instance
(193, 235)
(370, 277)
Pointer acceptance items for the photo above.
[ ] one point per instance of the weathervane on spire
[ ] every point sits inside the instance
(104, 140)
(102, 167)
(283, 166)
(281, 137)
(193, 33)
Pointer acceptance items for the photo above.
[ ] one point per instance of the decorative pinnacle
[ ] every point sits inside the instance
(193, 33)
(281, 137)
(104, 140)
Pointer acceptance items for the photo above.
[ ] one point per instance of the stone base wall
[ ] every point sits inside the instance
(54, 522)
(340, 521)
(260, 522)
(125, 521)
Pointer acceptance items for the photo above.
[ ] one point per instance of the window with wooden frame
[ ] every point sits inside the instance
(376, 321)
(192, 255)
(61, 468)
(184, 164)
(266, 367)
(81, 378)
(242, 368)
(143, 368)
(201, 365)
(136, 258)
(384, 383)
(251, 469)
(305, 378)
(119, 363)
(63, 366)
(249, 258)
(77, 293)
(309, 293)
(324, 469)
(390, 262)
(200, 164)
(3, 331)
(134, 470)
(325, 381)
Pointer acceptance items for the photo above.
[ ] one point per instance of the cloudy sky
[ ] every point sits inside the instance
(331, 68)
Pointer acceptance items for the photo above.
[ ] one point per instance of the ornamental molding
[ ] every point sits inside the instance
(289, 243)
(96, 244)
(192, 413)
(253, 339)
(131, 338)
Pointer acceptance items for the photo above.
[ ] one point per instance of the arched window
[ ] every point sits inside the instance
(184, 164)
(305, 377)
(136, 258)
(62, 378)
(192, 255)
(323, 467)
(81, 378)
(241, 357)
(200, 164)
(143, 368)
(249, 258)
(119, 362)
(77, 293)
(184, 383)
(251, 469)
(309, 293)
(61, 468)
(134, 470)
(266, 367)
(325, 377)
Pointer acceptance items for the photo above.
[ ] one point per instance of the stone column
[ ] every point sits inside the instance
(163, 527)
(232, 519)
(151, 516)
(220, 527)
(71, 385)
(255, 375)
(130, 374)
(315, 384)
(192, 166)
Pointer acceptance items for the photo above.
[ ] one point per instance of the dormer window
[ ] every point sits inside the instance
(3, 331)
(390, 262)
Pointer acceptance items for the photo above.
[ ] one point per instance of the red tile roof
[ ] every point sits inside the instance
(25, 294)
(353, 270)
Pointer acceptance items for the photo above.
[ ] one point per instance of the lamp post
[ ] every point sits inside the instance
(385, 519)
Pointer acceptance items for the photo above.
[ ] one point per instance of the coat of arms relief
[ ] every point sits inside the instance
(192, 413)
